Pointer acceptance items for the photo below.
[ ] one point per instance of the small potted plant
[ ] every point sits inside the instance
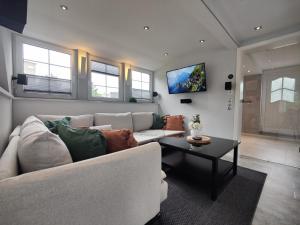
(196, 127)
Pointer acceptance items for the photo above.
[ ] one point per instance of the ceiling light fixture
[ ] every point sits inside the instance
(166, 54)
(146, 28)
(202, 41)
(258, 28)
(249, 71)
(64, 7)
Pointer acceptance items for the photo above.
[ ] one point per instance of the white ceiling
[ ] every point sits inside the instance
(113, 29)
(277, 17)
(281, 53)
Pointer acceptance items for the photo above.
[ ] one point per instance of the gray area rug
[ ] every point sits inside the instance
(189, 200)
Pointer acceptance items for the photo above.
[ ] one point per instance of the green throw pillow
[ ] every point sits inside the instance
(82, 143)
(158, 121)
(52, 125)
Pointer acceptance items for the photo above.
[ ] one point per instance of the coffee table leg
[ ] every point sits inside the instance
(235, 160)
(214, 188)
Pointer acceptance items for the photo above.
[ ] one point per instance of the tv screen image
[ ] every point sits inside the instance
(187, 80)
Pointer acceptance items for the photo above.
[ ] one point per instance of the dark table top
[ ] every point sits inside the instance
(215, 150)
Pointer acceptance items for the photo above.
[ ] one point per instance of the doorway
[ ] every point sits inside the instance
(271, 102)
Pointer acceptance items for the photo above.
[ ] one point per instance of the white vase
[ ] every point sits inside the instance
(196, 133)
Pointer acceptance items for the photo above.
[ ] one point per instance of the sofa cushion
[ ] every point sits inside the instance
(142, 121)
(52, 125)
(117, 120)
(32, 126)
(143, 137)
(76, 121)
(29, 120)
(103, 127)
(82, 143)
(40, 149)
(9, 159)
(16, 132)
(158, 121)
(118, 140)
(174, 123)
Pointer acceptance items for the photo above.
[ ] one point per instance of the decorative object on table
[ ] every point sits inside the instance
(204, 140)
(196, 127)
(133, 100)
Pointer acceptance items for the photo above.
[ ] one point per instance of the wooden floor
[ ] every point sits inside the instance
(285, 152)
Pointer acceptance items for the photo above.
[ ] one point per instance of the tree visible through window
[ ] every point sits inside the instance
(283, 89)
(105, 80)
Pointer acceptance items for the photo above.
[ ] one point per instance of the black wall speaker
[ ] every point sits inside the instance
(13, 14)
(228, 86)
(186, 101)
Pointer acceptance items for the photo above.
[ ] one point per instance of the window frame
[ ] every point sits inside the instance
(121, 79)
(141, 70)
(281, 89)
(19, 68)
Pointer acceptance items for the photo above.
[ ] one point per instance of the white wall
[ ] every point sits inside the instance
(212, 105)
(24, 107)
(6, 69)
(5, 87)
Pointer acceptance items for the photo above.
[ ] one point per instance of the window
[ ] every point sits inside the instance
(49, 69)
(283, 89)
(105, 80)
(141, 85)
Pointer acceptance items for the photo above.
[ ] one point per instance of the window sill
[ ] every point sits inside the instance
(77, 100)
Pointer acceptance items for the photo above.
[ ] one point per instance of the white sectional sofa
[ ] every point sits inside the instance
(122, 188)
(139, 122)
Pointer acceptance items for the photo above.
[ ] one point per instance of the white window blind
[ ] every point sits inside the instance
(141, 85)
(47, 70)
(105, 79)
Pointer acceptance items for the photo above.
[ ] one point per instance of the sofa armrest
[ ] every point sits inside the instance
(119, 188)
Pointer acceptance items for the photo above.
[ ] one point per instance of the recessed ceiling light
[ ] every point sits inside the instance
(202, 41)
(166, 54)
(249, 71)
(258, 28)
(146, 28)
(64, 7)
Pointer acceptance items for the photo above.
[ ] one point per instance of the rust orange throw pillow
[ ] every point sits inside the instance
(118, 140)
(174, 122)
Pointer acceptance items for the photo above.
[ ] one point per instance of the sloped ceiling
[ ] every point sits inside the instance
(277, 17)
(113, 29)
(278, 54)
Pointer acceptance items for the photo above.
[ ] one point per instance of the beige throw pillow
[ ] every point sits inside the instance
(39, 148)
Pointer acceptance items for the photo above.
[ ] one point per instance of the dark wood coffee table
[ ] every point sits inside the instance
(213, 152)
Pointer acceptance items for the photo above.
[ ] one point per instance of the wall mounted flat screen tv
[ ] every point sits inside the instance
(187, 80)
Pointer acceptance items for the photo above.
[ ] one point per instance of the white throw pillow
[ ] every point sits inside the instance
(117, 120)
(39, 148)
(29, 120)
(103, 127)
(142, 121)
(16, 132)
(76, 121)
